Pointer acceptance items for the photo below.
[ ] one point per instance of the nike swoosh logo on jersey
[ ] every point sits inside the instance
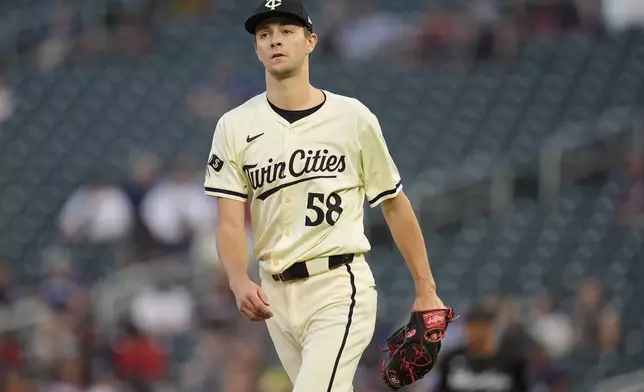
(250, 139)
(272, 191)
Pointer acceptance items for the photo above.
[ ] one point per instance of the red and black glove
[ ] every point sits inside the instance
(412, 350)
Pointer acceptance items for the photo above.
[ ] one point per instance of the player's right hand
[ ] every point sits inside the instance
(251, 301)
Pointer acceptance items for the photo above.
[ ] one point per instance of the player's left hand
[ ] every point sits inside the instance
(428, 301)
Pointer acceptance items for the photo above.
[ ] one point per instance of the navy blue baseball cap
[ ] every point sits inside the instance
(289, 9)
(481, 314)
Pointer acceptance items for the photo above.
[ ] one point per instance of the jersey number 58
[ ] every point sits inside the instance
(332, 203)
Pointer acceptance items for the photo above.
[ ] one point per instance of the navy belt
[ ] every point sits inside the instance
(299, 270)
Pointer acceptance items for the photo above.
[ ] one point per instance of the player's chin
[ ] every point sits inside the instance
(281, 70)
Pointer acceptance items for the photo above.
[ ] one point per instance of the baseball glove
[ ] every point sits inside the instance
(412, 351)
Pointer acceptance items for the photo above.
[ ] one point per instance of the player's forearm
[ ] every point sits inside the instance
(408, 237)
(233, 252)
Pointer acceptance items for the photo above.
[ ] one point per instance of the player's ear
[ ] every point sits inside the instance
(312, 39)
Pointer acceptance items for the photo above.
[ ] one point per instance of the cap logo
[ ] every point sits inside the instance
(272, 4)
(310, 21)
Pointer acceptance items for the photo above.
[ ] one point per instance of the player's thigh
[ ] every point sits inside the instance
(335, 340)
(288, 349)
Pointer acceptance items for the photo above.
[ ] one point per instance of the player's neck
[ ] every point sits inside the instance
(294, 93)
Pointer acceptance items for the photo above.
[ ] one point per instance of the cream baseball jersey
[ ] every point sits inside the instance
(306, 181)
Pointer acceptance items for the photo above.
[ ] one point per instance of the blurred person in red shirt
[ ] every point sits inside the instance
(138, 358)
(11, 353)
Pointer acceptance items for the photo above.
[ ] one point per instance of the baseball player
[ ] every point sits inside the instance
(305, 159)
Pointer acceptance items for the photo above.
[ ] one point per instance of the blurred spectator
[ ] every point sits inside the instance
(96, 212)
(176, 209)
(54, 340)
(94, 351)
(333, 15)
(550, 17)
(205, 371)
(545, 375)
(479, 364)
(143, 175)
(58, 287)
(7, 103)
(483, 16)
(163, 309)
(597, 325)
(552, 329)
(620, 15)
(225, 88)
(218, 308)
(513, 337)
(138, 359)
(372, 33)
(67, 377)
(127, 26)
(11, 353)
(61, 39)
(7, 289)
(443, 37)
(632, 208)
(105, 382)
(229, 352)
(590, 16)
(242, 367)
(14, 382)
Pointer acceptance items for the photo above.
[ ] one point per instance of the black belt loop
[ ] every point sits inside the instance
(299, 270)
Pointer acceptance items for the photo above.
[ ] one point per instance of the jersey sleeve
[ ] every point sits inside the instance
(380, 175)
(224, 174)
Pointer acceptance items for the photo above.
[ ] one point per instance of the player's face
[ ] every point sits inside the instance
(283, 47)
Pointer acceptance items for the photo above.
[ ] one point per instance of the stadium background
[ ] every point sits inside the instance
(516, 124)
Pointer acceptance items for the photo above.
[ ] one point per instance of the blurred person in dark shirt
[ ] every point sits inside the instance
(479, 365)
(7, 291)
(176, 210)
(550, 17)
(596, 323)
(143, 175)
(545, 374)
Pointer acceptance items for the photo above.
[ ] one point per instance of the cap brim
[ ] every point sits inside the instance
(254, 21)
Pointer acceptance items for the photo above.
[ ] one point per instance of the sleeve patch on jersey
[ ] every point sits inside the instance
(385, 193)
(215, 163)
